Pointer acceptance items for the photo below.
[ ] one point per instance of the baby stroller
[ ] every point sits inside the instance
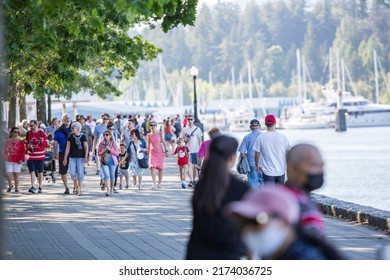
(49, 166)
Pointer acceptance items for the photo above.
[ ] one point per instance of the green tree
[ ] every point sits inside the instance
(69, 45)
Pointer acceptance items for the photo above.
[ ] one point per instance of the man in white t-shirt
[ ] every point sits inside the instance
(91, 123)
(270, 153)
(193, 136)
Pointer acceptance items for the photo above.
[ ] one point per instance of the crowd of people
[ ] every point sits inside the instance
(265, 217)
(116, 145)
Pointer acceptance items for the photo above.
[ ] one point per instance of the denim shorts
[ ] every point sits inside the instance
(193, 158)
(76, 166)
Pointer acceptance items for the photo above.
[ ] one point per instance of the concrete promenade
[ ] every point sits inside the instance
(133, 224)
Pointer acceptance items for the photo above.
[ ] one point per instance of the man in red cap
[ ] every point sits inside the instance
(270, 153)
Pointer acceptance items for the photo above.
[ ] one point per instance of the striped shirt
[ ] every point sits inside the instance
(39, 145)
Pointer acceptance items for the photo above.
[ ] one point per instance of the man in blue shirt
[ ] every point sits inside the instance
(60, 138)
(255, 178)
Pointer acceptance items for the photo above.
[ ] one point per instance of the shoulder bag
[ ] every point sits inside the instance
(142, 162)
(243, 166)
(106, 157)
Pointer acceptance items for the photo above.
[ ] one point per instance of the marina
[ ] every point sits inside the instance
(356, 162)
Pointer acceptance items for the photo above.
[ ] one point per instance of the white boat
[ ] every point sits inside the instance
(309, 115)
(240, 119)
(360, 111)
(306, 122)
(214, 120)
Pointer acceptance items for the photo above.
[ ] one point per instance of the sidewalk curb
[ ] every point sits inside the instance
(367, 215)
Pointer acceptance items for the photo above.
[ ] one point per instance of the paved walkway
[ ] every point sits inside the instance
(133, 224)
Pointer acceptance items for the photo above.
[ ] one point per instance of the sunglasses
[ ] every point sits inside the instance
(106, 134)
(152, 125)
(105, 119)
(190, 119)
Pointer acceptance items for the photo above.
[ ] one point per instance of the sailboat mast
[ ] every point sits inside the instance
(299, 76)
(250, 81)
(376, 78)
(241, 88)
(330, 67)
(161, 93)
(304, 77)
(343, 74)
(233, 84)
(338, 69)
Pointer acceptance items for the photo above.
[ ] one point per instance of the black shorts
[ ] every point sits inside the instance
(62, 169)
(35, 165)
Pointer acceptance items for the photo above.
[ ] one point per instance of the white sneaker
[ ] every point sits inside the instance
(153, 187)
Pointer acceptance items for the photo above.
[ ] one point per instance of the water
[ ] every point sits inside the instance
(357, 162)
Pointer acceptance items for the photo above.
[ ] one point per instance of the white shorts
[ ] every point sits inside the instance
(12, 167)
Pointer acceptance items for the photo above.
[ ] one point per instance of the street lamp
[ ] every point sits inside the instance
(194, 72)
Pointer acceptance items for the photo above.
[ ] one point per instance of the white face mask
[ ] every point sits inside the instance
(266, 242)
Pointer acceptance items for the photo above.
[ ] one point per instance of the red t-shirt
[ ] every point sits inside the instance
(182, 155)
(39, 145)
(14, 151)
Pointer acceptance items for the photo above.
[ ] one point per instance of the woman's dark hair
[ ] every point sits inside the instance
(110, 124)
(214, 179)
(12, 131)
(136, 133)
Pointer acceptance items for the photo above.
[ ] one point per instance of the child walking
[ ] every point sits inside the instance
(182, 160)
(123, 166)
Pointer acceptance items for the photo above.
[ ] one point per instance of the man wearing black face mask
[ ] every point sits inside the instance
(305, 172)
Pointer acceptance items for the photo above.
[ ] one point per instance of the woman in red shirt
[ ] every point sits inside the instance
(14, 156)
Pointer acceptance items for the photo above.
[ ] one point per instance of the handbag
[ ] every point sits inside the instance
(243, 166)
(143, 161)
(106, 157)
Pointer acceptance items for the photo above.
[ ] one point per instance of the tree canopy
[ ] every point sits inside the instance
(69, 45)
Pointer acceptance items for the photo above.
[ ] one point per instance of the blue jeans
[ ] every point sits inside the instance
(109, 172)
(274, 179)
(255, 179)
(76, 166)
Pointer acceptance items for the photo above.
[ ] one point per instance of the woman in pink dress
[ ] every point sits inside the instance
(156, 154)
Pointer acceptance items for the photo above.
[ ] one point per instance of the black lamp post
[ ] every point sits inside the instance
(194, 72)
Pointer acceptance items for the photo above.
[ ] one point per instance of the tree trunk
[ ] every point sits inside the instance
(12, 111)
(22, 108)
(41, 110)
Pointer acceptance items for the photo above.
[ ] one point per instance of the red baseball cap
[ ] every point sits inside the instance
(270, 119)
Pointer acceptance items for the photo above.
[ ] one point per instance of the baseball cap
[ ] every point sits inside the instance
(270, 119)
(254, 122)
(269, 201)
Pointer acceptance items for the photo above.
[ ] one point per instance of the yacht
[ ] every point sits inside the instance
(309, 115)
(239, 120)
(360, 111)
(214, 120)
